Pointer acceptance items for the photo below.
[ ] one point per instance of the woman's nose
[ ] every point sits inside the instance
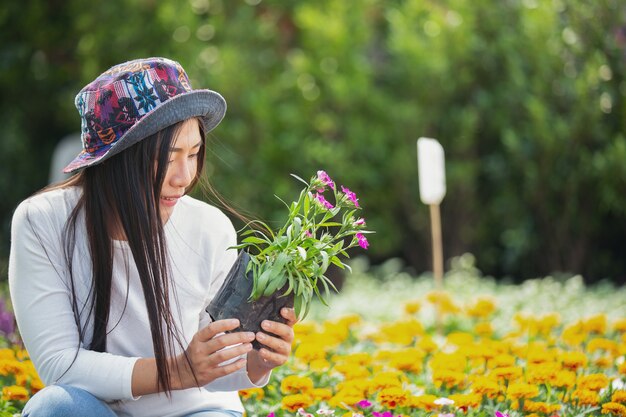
(184, 174)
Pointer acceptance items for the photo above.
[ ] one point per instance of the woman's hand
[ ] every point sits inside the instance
(277, 342)
(207, 351)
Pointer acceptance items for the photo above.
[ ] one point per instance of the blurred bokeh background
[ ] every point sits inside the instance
(526, 97)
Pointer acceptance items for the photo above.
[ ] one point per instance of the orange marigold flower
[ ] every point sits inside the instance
(622, 368)
(423, 402)
(541, 407)
(564, 379)
(246, 394)
(585, 397)
(15, 393)
(465, 401)
(448, 378)
(509, 373)
(295, 401)
(600, 343)
(7, 354)
(619, 396)
(573, 360)
(483, 385)
(518, 390)
(543, 373)
(614, 409)
(296, 384)
(593, 382)
(321, 394)
(393, 397)
(345, 399)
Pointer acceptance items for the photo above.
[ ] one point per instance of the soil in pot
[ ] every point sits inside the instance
(232, 301)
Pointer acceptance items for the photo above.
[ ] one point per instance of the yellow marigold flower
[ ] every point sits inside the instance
(465, 401)
(357, 358)
(573, 360)
(409, 359)
(7, 354)
(295, 401)
(36, 385)
(563, 379)
(352, 370)
(335, 333)
(541, 407)
(258, 393)
(502, 361)
(21, 354)
(518, 390)
(448, 378)
(443, 301)
(483, 385)
(308, 352)
(349, 320)
(359, 387)
(427, 344)
(384, 380)
(620, 325)
(483, 329)
(402, 332)
(619, 396)
(482, 308)
(345, 399)
(321, 394)
(622, 368)
(393, 397)
(423, 402)
(319, 365)
(540, 354)
(460, 339)
(412, 307)
(606, 345)
(304, 328)
(603, 362)
(449, 361)
(542, 373)
(574, 335)
(509, 373)
(295, 384)
(15, 393)
(595, 324)
(585, 397)
(593, 382)
(614, 409)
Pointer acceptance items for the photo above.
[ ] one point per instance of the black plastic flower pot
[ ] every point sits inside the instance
(232, 301)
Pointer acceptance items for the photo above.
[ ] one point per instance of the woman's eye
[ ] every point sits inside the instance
(195, 155)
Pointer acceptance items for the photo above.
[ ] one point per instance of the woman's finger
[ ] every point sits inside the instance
(274, 343)
(290, 315)
(217, 327)
(284, 331)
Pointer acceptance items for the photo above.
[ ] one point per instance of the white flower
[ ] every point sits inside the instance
(444, 401)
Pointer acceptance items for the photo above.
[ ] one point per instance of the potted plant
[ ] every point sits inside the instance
(287, 267)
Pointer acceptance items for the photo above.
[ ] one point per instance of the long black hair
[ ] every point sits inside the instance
(121, 195)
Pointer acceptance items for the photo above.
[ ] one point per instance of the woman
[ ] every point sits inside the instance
(111, 270)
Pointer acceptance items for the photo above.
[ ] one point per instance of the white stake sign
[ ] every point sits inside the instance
(432, 183)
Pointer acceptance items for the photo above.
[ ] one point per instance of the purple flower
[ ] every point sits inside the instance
(499, 414)
(362, 240)
(359, 222)
(364, 404)
(271, 414)
(7, 322)
(385, 414)
(320, 199)
(351, 196)
(323, 176)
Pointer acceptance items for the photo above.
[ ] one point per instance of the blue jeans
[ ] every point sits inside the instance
(68, 401)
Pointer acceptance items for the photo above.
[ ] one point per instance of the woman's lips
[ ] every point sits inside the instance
(169, 201)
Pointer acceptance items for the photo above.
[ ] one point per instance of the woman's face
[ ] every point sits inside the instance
(182, 167)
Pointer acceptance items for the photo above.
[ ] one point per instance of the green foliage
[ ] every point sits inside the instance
(526, 97)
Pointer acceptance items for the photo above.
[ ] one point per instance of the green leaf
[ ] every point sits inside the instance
(254, 239)
(275, 284)
(300, 179)
(325, 261)
(262, 283)
(330, 224)
(302, 252)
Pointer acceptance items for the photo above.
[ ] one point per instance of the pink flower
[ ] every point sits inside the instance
(351, 196)
(303, 413)
(325, 412)
(364, 404)
(445, 415)
(308, 234)
(362, 241)
(320, 199)
(385, 414)
(359, 222)
(271, 414)
(499, 414)
(323, 176)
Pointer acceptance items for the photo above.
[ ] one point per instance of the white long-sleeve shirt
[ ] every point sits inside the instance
(197, 237)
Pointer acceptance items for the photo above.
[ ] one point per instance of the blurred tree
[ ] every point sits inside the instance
(527, 98)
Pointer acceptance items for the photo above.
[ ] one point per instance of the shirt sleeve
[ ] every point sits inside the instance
(41, 297)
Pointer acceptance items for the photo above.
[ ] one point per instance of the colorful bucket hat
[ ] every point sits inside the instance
(134, 100)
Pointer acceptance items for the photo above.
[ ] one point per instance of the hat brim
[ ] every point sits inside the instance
(207, 104)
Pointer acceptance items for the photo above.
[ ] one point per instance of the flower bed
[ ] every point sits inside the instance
(543, 348)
